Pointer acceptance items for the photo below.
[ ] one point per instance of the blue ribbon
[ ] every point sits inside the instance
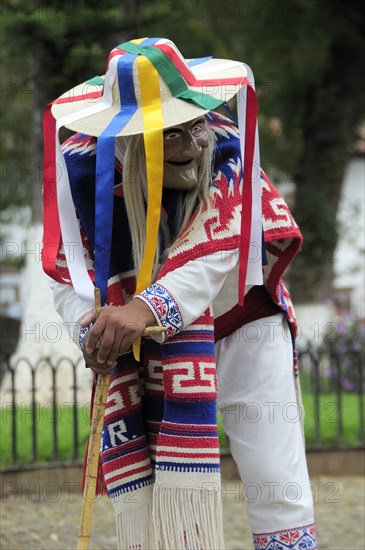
(198, 60)
(265, 261)
(229, 112)
(105, 161)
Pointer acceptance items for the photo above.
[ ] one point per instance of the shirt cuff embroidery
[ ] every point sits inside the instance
(83, 333)
(165, 308)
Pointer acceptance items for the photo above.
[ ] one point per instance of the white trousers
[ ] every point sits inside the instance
(257, 401)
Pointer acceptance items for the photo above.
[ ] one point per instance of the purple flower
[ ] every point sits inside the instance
(347, 384)
(348, 363)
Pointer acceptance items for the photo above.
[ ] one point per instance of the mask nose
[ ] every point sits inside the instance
(190, 149)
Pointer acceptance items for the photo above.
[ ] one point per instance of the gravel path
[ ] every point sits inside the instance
(51, 521)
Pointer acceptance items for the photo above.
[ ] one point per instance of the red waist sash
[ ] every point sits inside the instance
(258, 305)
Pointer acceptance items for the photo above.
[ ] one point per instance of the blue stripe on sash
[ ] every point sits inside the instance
(193, 413)
(174, 349)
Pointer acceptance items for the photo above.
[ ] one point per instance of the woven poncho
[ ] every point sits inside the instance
(160, 450)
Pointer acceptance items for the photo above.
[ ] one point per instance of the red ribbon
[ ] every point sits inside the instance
(51, 219)
(246, 215)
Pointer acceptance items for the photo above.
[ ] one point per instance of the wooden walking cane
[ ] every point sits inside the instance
(96, 429)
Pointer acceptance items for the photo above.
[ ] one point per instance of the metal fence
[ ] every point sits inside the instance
(33, 410)
(334, 378)
(323, 374)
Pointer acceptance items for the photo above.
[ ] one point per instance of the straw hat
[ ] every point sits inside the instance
(148, 86)
(174, 110)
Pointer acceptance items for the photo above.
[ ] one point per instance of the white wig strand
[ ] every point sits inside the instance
(135, 195)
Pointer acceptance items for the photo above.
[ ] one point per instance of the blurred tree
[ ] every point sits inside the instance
(308, 58)
(46, 48)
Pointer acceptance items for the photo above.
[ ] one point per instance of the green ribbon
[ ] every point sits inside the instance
(95, 81)
(171, 76)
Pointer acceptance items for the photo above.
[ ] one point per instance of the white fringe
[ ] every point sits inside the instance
(173, 514)
(134, 523)
(187, 518)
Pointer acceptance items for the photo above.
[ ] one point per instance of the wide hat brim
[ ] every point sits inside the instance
(175, 111)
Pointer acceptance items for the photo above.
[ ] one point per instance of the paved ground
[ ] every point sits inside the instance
(50, 521)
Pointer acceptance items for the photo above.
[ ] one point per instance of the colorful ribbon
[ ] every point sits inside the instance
(52, 229)
(105, 162)
(171, 76)
(247, 143)
(153, 143)
(161, 60)
(57, 185)
(69, 227)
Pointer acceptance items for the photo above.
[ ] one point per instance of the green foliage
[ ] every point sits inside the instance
(329, 413)
(47, 48)
(44, 431)
(308, 58)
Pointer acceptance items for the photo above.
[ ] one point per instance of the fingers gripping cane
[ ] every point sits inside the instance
(96, 429)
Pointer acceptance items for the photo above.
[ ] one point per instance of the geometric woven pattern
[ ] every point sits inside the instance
(299, 538)
(165, 307)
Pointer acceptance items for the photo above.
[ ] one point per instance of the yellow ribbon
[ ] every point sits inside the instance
(138, 40)
(153, 143)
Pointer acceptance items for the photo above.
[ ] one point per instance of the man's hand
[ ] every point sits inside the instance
(92, 362)
(116, 328)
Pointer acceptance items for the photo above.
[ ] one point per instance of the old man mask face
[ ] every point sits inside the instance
(183, 147)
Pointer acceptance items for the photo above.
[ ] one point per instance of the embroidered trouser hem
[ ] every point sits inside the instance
(296, 538)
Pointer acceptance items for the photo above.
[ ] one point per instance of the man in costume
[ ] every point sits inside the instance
(166, 212)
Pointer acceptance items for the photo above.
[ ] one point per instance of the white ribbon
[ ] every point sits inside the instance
(254, 269)
(70, 229)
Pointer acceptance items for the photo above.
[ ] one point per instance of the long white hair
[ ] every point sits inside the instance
(135, 195)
